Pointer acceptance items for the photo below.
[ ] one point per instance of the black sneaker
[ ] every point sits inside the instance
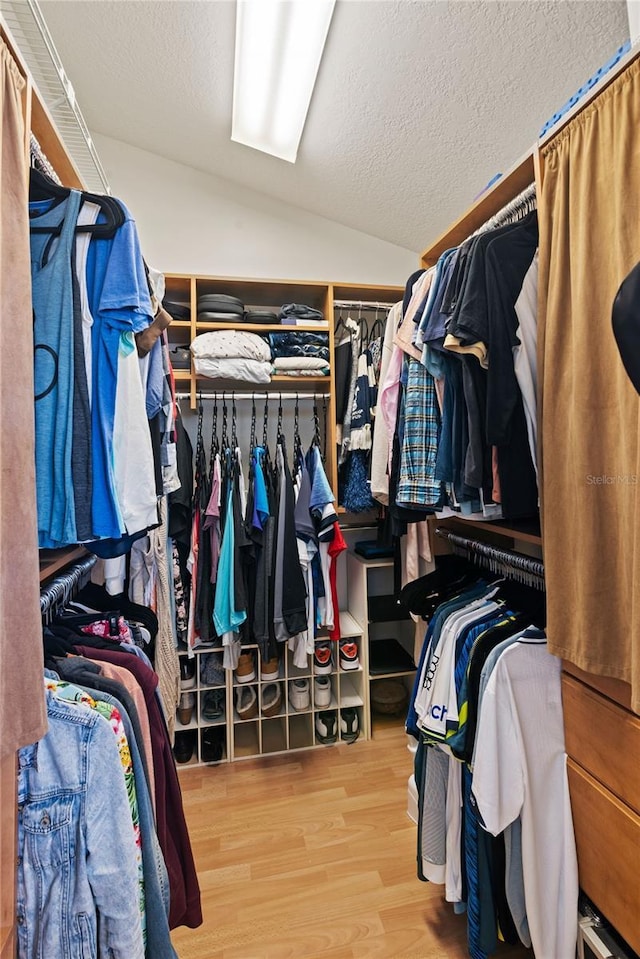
(349, 724)
(327, 726)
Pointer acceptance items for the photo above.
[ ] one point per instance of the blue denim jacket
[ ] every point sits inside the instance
(77, 892)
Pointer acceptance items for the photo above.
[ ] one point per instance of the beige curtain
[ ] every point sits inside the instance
(589, 210)
(22, 704)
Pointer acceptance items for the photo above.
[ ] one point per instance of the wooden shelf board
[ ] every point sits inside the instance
(349, 626)
(514, 181)
(182, 376)
(53, 560)
(259, 327)
(527, 531)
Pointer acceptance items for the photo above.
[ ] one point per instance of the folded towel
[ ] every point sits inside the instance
(284, 363)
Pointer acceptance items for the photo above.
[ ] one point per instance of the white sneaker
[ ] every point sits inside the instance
(299, 694)
(322, 691)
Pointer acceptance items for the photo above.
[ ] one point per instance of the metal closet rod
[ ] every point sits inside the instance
(494, 555)
(522, 200)
(57, 592)
(272, 395)
(361, 305)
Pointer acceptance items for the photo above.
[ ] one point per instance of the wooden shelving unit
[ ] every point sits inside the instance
(270, 295)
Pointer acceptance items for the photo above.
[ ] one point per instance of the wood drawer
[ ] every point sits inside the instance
(608, 843)
(604, 739)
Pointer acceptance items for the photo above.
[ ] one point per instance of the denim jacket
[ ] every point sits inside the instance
(77, 877)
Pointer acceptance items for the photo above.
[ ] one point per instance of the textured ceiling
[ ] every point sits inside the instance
(417, 106)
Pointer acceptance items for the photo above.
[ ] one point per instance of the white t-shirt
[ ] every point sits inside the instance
(133, 465)
(520, 769)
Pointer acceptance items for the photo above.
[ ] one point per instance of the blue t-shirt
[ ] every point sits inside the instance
(120, 303)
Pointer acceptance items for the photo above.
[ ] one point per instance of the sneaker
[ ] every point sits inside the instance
(322, 658)
(327, 726)
(271, 699)
(212, 670)
(186, 707)
(246, 669)
(299, 694)
(212, 744)
(349, 724)
(269, 669)
(349, 655)
(183, 747)
(213, 705)
(187, 673)
(246, 702)
(322, 691)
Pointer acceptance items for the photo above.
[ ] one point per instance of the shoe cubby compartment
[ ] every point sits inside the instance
(213, 744)
(272, 699)
(246, 739)
(274, 735)
(301, 731)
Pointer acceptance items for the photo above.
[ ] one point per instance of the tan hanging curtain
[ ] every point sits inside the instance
(22, 705)
(589, 216)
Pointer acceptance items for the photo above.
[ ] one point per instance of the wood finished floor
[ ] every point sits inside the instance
(312, 856)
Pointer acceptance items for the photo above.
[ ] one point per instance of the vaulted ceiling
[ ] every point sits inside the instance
(418, 102)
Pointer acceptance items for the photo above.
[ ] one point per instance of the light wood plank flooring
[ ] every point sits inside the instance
(312, 856)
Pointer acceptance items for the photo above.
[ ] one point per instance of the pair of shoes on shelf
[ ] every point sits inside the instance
(299, 694)
(246, 669)
(213, 704)
(187, 673)
(269, 669)
(186, 706)
(323, 657)
(271, 699)
(327, 725)
(246, 702)
(212, 670)
(321, 691)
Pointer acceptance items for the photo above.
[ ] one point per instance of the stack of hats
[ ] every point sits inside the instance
(176, 309)
(220, 308)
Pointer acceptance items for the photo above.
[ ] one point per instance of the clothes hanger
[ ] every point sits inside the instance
(234, 435)
(215, 446)
(252, 438)
(42, 187)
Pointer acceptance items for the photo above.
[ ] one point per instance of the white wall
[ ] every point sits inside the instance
(190, 222)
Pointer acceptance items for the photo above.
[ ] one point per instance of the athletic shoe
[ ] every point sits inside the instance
(185, 707)
(213, 705)
(246, 702)
(212, 670)
(349, 655)
(322, 658)
(187, 673)
(271, 699)
(327, 726)
(321, 691)
(246, 670)
(299, 694)
(269, 669)
(349, 724)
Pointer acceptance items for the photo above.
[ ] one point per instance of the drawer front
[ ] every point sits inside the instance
(604, 739)
(608, 844)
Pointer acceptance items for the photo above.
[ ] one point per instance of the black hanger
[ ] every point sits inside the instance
(215, 445)
(42, 187)
(342, 325)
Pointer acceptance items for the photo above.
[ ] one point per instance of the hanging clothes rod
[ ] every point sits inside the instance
(40, 160)
(272, 395)
(55, 594)
(515, 209)
(524, 569)
(361, 305)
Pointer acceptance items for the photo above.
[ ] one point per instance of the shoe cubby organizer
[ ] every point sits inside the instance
(290, 708)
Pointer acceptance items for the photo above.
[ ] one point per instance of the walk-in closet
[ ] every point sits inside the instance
(320, 391)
